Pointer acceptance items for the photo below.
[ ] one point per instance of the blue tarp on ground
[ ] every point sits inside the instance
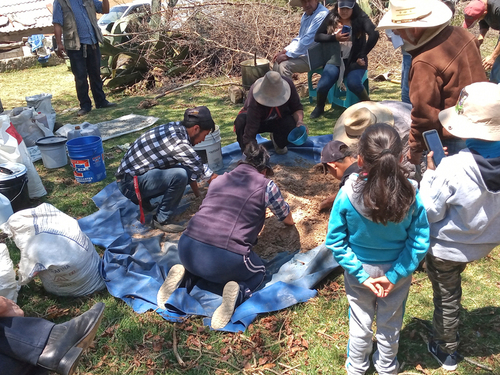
(135, 264)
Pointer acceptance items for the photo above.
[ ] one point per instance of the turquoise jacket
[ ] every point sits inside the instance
(354, 239)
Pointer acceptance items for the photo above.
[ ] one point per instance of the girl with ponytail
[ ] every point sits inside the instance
(378, 232)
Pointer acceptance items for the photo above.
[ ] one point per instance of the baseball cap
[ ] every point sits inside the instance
(473, 12)
(199, 116)
(347, 3)
(333, 151)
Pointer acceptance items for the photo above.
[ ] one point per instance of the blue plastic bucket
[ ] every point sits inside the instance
(87, 159)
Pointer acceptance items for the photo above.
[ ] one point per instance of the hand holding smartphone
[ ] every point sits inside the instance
(433, 143)
(345, 29)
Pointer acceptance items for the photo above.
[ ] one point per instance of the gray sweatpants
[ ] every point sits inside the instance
(363, 305)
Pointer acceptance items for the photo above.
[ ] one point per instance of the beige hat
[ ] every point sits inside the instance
(271, 90)
(404, 14)
(476, 114)
(355, 119)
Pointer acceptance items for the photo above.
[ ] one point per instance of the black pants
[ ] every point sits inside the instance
(22, 340)
(280, 128)
(86, 62)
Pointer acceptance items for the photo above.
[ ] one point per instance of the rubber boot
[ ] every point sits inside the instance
(320, 106)
(364, 96)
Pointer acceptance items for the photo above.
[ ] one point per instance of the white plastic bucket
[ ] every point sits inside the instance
(210, 150)
(53, 150)
(5, 209)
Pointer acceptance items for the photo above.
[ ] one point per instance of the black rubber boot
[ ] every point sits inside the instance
(320, 106)
(364, 96)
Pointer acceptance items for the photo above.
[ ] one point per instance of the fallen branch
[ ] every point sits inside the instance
(472, 362)
(177, 89)
(174, 347)
(222, 84)
(223, 46)
(289, 368)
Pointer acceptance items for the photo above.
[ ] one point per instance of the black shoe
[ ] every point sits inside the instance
(82, 112)
(67, 341)
(318, 111)
(447, 361)
(107, 105)
(169, 227)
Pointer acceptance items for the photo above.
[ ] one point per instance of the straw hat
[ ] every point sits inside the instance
(355, 119)
(476, 114)
(404, 14)
(271, 90)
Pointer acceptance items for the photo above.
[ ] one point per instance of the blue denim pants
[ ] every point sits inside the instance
(405, 74)
(330, 75)
(170, 183)
(89, 66)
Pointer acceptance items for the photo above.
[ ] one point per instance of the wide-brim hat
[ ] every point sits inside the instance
(271, 90)
(405, 14)
(476, 114)
(355, 119)
(295, 3)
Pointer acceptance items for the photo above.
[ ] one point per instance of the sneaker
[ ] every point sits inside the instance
(224, 312)
(447, 361)
(171, 283)
(82, 112)
(279, 151)
(169, 227)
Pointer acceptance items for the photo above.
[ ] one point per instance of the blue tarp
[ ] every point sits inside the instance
(135, 265)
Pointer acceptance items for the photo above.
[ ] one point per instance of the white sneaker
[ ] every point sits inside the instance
(279, 151)
(171, 283)
(224, 312)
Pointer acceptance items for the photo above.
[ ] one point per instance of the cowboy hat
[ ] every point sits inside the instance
(405, 14)
(355, 119)
(271, 90)
(476, 114)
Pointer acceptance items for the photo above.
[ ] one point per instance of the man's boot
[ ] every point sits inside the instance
(320, 105)
(67, 341)
(364, 96)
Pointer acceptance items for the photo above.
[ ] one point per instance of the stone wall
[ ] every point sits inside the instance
(20, 63)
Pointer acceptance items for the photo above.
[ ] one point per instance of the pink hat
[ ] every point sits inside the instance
(473, 12)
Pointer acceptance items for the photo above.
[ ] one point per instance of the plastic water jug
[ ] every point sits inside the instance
(5, 209)
(84, 130)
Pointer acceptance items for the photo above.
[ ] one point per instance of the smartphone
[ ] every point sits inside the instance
(346, 29)
(433, 143)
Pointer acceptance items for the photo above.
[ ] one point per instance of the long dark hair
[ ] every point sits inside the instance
(383, 184)
(258, 157)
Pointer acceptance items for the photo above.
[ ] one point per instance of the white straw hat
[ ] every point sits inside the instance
(476, 114)
(355, 119)
(404, 14)
(271, 90)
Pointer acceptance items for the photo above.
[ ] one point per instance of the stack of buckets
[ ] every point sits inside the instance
(85, 152)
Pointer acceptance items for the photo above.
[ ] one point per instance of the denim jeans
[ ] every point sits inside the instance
(87, 67)
(405, 74)
(170, 183)
(353, 79)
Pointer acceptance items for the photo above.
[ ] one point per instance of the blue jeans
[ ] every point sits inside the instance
(495, 71)
(170, 183)
(330, 75)
(405, 73)
(87, 67)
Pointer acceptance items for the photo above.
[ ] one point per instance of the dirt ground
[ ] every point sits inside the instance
(303, 189)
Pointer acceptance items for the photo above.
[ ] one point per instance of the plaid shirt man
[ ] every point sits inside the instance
(275, 201)
(163, 147)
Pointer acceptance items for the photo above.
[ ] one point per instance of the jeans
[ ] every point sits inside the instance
(495, 70)
(446, 280)
(22, 340)
(405, 74)
(170, 183)
(83, 67)
(330, 75)
(220, 266)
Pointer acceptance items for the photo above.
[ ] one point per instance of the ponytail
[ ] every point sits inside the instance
(383, 185)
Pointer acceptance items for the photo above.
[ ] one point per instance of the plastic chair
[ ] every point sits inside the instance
(335, 95)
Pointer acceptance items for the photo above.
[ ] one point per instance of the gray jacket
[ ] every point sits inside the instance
(462, 199)
(70, 33)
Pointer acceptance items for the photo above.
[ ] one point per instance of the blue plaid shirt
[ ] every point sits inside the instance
(83, 26)
(275, 201)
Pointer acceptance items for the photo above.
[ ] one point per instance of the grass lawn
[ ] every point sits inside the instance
(309, 338)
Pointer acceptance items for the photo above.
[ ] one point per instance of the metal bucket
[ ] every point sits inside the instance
(252, 70)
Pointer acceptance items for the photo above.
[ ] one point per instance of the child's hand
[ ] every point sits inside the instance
(384, 283)
(375, 287)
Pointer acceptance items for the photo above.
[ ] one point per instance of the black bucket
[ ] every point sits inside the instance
(14, 185)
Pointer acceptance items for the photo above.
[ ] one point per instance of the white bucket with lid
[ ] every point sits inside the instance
(53, 150)
(210, 150)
